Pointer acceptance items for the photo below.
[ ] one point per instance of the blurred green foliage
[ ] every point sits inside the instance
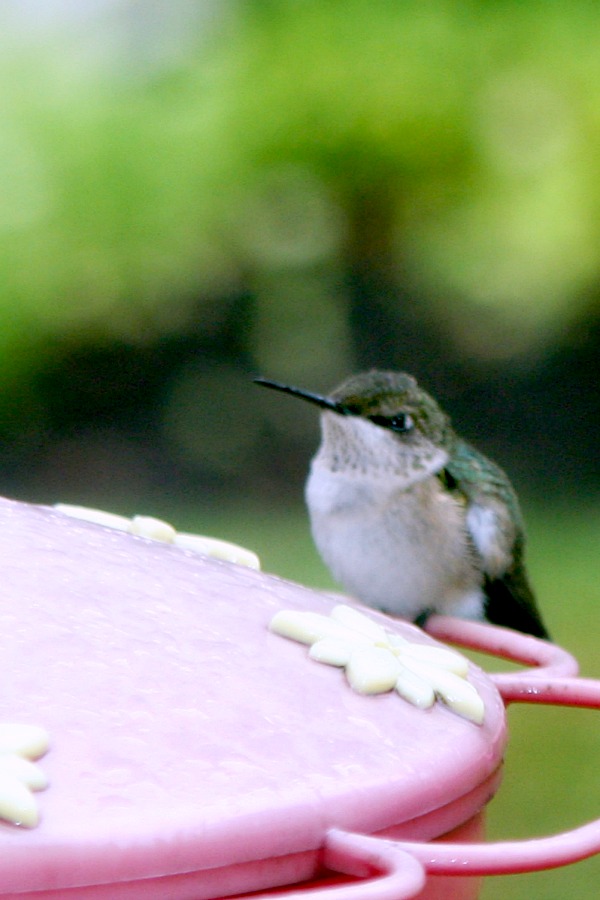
(295, 188)
(475, 124)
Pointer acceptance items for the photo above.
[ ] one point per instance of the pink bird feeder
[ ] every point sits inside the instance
(206, 738)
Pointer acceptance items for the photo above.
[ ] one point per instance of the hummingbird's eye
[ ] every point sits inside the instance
(400, 423)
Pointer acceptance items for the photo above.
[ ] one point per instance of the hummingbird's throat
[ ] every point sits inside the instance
(360, 449)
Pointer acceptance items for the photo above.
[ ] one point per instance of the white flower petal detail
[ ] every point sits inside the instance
(372, 670)
(456, 692)
(378, 661)
(414, 689)
(96, 516)
(17, 803)
(331, 651)
(26, 740)
(308, 627)
(396, 641)
(18, 775)
(25, 771)
(462, 698)
(355, 620)
(159, 530)
(155, 529)
(437, 656)
(218, 549)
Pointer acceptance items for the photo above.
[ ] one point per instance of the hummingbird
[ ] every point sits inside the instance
(409, 517)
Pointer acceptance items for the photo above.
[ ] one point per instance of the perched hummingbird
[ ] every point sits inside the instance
(409, 517)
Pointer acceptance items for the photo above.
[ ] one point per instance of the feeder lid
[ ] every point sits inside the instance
(185, 735)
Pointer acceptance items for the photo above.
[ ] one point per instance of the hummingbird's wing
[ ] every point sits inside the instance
(496, 531)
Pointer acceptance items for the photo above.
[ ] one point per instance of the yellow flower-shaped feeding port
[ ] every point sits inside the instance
(377, 660)
(19, 776)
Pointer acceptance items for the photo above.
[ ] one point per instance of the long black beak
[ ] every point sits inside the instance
(317, 399)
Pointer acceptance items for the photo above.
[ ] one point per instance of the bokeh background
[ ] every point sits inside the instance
(193, 192)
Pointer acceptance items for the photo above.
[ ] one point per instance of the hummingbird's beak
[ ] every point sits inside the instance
(317, 399)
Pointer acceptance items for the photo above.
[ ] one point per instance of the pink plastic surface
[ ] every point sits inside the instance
(552, 680)
(195, 754)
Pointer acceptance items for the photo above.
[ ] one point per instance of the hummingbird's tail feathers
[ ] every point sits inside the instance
(510, 602)
(421, 620)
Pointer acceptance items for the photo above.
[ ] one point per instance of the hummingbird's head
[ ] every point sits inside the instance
(380, 423)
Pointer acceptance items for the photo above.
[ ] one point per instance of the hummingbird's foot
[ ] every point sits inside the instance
(421, 619)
